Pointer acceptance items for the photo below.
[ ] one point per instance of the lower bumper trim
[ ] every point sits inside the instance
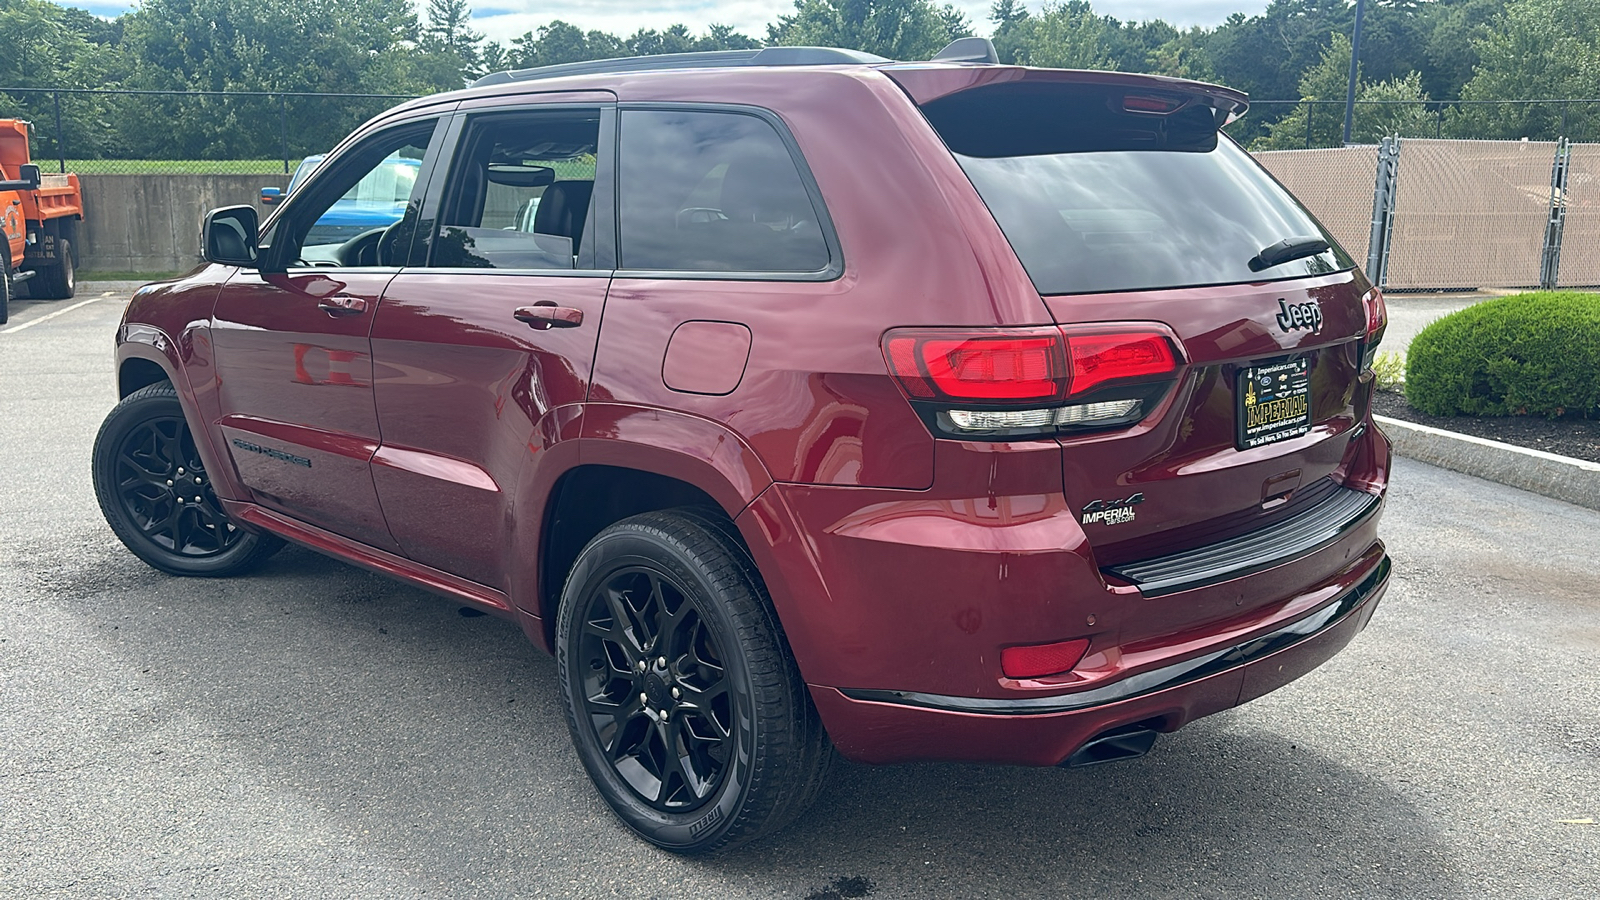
(1154, 680)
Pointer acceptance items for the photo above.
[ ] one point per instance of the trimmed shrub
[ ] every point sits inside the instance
(1527, 354)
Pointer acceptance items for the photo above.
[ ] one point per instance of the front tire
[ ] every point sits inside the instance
(156, 496)
(684, 702)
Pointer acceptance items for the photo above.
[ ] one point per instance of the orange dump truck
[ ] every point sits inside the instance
(39, 217)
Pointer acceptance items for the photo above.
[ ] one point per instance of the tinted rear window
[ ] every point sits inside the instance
(1095, 199)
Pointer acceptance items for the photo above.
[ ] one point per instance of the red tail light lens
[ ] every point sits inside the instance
(1377, 311)
(1098, 358)
(1015, 366)
(1040, 660)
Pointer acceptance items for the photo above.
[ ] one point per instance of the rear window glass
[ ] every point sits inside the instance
(1095, 199)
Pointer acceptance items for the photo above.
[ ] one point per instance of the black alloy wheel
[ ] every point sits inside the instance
(156, 496)
(655, 689)
(684, 703)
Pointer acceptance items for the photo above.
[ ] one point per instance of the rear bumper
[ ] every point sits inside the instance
(896, 726)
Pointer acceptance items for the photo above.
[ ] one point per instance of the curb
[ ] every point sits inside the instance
(1561, 477)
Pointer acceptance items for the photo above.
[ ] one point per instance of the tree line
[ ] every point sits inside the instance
(1414, 53)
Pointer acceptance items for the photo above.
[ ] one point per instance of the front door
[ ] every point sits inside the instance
(490, 341)
(294, 363)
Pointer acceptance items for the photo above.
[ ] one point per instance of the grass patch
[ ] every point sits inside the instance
(169, 166)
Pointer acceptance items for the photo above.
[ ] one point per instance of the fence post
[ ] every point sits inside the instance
(61, 145)
(1311, 111)
(1550, 262)
(283, 129)
(1383, 198)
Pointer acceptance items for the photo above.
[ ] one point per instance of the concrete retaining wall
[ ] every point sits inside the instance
(151, 223)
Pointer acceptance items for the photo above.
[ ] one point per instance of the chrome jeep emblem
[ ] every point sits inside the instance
(1294, 316)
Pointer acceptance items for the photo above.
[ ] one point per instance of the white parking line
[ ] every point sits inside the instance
(60, 312)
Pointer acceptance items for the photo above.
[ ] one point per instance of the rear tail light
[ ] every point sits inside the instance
(987, 367)
(1002, 383)
(1040, 660)
(1377, 315)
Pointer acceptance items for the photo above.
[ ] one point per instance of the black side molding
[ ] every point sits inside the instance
(1342, 510)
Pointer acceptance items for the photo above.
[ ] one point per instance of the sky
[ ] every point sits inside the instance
(503, 20)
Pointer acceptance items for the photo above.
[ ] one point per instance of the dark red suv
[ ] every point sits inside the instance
(796, 400)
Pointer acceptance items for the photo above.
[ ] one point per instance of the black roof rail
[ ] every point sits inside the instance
(712, 59)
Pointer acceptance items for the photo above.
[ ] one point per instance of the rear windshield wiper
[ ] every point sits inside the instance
(1287, 250)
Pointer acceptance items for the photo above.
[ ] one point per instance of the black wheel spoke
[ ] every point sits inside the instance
(654, 687)
(162, 486)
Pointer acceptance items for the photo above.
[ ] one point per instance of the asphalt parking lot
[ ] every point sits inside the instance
(317, 731)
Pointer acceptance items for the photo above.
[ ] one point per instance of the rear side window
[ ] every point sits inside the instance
(709, 191)
(1094, 198)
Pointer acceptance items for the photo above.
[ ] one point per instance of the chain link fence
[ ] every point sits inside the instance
(1430, 214)
(1325, 181)
(1470, 214)
(1580, 239)
(118, 132)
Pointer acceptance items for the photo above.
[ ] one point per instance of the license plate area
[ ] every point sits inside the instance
(1272, 402)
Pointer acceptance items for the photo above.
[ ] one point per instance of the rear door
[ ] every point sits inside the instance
(294, 365)
(484, 344)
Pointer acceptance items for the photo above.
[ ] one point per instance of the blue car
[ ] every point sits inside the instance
(376, 201)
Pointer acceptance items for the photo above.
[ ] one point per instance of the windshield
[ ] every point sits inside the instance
(1094, 200)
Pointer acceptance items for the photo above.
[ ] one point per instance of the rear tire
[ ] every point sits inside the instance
(156, 496)
(60, 281)
(5, 290)
(684, 703)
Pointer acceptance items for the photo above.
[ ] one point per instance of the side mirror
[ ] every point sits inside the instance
(228, 236)
(30, 173)
(271, 195)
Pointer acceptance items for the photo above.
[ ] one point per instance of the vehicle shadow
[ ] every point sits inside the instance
(437, 744)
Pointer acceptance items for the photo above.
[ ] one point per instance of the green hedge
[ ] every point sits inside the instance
(1526, 354)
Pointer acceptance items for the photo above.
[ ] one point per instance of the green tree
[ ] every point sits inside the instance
(897, 29)
(449, 36)
(47, 46)
(1395, 106)
(340, 46)
(1065, 35)
(1536, 49)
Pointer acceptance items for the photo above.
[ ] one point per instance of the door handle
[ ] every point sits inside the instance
(545, 314)
(341, 305)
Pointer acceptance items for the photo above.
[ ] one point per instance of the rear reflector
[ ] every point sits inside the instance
(1098, 358)
(1040, 660)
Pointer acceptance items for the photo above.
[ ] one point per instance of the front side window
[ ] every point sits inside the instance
(520, 192)
(713, 192)
(362, 211)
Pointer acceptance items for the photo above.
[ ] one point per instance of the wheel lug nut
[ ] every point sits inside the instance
(676, 694)
(662, 662)
(180, 470)
(169, 482)
(645, 698)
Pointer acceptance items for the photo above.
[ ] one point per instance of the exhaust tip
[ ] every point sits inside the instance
(1116, 745)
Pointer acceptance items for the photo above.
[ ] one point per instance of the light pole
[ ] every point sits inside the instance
(1355, 56)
